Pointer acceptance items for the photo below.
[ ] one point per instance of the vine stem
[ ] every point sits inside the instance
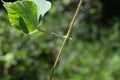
(51, 33)
(65, 39)
(3, 1)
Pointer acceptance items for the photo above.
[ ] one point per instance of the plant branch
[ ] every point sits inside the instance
(50, 33)
(65, 39)
(3, 1)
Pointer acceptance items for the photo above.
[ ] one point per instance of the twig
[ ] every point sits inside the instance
(51, 33)
(65, 39)
(3, 1)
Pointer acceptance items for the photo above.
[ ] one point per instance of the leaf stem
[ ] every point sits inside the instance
(51, 33)
(65, 39)
(3, 1)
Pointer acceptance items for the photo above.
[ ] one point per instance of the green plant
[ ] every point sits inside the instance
(92, 54)
(26, 16)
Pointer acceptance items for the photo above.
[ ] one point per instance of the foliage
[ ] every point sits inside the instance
(26, 15)
(92, 54)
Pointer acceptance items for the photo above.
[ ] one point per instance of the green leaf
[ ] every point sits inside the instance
(43, 7)
(22, 10)
(26, 15)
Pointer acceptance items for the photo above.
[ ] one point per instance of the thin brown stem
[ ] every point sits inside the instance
(65, 39)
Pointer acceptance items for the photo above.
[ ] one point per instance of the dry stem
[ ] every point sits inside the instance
(65, 39)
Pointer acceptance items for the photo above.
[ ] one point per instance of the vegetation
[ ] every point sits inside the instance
(92, 54)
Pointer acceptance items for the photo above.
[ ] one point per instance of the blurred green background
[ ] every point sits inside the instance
(92, 54)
